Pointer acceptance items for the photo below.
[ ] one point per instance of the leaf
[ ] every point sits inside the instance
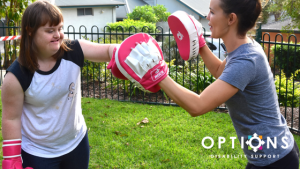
(165, 161)
(144, 121)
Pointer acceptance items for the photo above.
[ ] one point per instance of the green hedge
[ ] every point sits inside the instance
(287, 58)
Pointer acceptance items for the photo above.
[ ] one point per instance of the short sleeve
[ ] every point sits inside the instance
(239, 72)
(75, 54)
(23, 75)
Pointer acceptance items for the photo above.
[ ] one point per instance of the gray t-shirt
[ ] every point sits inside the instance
(254, 108)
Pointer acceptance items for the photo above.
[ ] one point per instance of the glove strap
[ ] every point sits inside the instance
(11, 148)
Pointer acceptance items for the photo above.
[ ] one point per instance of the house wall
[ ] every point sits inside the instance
(285, 36)
(102, 16)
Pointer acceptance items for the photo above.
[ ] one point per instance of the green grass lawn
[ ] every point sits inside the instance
(171, 138)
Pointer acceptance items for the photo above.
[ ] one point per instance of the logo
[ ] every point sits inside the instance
(157, 70)
(179, 36)
(157, 73)
(71, 91)
(260, 142)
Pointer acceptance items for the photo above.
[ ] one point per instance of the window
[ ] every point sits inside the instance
(84, 11)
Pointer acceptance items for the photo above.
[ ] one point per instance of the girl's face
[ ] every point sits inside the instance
(217, 20)
(48, 39)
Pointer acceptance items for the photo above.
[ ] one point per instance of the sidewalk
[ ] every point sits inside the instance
(1, 47)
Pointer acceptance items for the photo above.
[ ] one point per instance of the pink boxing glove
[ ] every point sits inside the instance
(12, 154)
(140, 59)
(188, 34)
(113, 67)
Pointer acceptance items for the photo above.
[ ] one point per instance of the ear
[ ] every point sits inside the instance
(29, 32)
(232, 19)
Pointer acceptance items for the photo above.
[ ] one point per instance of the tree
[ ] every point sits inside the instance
(149, 13)
(285, 9)
(12, 10)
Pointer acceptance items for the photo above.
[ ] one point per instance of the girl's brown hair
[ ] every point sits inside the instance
(36, 15)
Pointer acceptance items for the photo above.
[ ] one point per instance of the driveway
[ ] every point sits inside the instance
(2, 46)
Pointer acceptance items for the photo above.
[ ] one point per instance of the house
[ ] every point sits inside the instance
(82, 15)
(276, 27)
(270, 33)
(198, 8)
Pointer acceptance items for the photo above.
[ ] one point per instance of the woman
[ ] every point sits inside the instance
(244, 82)
(41, 94)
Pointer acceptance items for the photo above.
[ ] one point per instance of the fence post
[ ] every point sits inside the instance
(258, 33)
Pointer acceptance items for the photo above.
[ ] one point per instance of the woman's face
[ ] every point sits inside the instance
(218, 20)
(48, 39)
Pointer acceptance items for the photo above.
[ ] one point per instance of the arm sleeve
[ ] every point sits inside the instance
(75, 54)
(239, 72)
(23, 75)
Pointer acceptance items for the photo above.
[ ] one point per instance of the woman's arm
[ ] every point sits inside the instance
(214, 64)
(213, 96)
(12, 97)
(96, 52)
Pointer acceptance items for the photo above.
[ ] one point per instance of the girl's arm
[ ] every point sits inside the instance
(12, 97)
(213, 96)
(96, 52)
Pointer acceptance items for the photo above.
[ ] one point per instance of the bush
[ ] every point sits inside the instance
(151, 14)
(169, 49)
(189, 77)
(128, 25)
(287, 58)
(287, 91)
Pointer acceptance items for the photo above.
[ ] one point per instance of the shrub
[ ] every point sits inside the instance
(189, 77)
(151, 14)
(287, 58)
(169, 49)
(131, 25)
(286, 90)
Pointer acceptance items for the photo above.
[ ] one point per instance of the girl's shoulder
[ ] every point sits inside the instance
(23, 75)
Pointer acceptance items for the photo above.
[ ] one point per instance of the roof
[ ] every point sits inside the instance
(200, 7)
(89, 3)
(134, 3)
(277, 26)
(150, 2)
(123, 10)
(194, 5)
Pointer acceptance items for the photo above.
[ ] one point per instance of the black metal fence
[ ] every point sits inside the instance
(98, 82)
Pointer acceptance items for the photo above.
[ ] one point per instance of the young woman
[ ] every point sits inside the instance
(41, 95)
(244, 82)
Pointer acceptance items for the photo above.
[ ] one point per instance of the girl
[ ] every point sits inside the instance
(41, 94)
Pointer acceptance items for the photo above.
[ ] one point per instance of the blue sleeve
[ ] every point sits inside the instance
(239, 72)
